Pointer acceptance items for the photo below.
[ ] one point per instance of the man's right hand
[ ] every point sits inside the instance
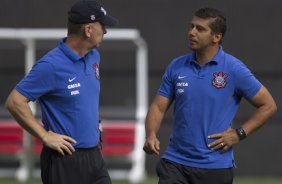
(152, 145)
(60, 143)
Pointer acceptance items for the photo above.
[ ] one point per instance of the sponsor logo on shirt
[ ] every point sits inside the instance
(75, 92)
(73, 87)
(180, 90)
(96, 70)
(181, 84)
(219, 80)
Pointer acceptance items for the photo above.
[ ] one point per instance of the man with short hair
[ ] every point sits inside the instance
(66, 83)
(206, 86)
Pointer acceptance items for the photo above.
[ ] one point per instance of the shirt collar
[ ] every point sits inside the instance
(216, 59)
(74, 57)
(218, 55)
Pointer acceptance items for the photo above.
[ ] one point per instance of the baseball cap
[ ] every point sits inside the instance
(89, 11)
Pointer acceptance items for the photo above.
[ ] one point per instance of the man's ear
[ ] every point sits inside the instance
(217, 37)
(87, 31)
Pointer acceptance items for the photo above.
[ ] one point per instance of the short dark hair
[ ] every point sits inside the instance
(74, 29)
(218, 24)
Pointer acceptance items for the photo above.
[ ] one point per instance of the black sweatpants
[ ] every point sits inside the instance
(173, 173)
(84, 166)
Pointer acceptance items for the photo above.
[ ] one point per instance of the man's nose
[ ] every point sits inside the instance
(104, 30)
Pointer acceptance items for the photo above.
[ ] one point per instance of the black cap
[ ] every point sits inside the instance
(89, 11)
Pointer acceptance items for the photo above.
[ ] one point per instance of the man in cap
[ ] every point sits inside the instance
(66, 83)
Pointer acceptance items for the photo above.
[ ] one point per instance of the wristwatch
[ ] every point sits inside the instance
(241, 133)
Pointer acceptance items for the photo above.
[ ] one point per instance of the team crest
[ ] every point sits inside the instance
(219, 80)
(96, 70)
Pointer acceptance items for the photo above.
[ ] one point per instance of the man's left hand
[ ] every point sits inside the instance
(224, 140)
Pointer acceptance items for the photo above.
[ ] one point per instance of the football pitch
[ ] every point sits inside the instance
(153, 180)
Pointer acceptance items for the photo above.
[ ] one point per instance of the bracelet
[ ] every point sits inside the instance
(241, 133)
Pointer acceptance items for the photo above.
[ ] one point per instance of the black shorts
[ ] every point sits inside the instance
(170, 172)
(84, 166)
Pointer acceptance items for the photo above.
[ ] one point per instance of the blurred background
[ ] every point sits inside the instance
(253, 35)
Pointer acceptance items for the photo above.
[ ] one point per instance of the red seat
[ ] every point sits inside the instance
(118, 138)
(11, 139)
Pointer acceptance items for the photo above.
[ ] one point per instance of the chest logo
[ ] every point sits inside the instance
(181, 77)
(72, 79)
(219, 80)
(96, 70)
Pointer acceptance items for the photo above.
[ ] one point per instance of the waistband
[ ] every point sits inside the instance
(77, 150)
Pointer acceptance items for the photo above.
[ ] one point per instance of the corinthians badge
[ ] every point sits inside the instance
(219, 80)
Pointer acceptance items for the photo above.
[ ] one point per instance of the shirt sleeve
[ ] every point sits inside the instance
(167, 88)
(39, 81)
(246, 83)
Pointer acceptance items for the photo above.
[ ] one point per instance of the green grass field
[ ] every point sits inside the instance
(153, 180)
